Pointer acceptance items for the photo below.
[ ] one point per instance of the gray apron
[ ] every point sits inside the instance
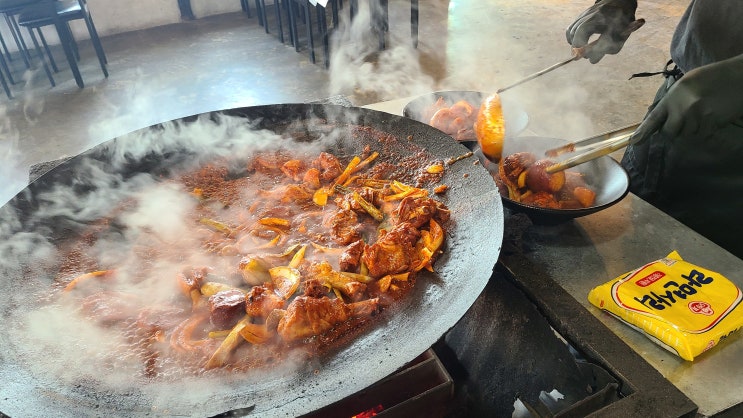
(698, 182)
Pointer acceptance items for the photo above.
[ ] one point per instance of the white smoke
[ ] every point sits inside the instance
(357, 65)
(150, 235)
(13, 174)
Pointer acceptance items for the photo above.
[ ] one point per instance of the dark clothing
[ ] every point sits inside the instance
(709, 31)
(698, 181)
(700, 184)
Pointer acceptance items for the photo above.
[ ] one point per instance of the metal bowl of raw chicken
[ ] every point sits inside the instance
(605, 182)
(425, 108)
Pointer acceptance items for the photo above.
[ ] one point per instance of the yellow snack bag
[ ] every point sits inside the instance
(685, 308)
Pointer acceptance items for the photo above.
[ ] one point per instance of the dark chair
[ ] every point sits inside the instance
(280, 7)
(59, 14)
(245, 6)
(184, 7)
(9, 10)
(4, 69)
(302, 9)
(414, 22)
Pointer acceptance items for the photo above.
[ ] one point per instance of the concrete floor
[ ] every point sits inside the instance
(228, 61)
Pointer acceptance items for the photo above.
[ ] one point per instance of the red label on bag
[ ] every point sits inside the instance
(650, 279)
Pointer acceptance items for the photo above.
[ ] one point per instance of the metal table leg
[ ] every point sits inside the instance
(414, 22)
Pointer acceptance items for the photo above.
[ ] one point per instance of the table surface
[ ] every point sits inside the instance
(619, 239)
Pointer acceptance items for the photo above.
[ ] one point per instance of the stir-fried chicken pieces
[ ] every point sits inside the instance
(416, 211)
(294, 169)
(393, 252)
(350, 258)
(348, 202)
(308, 316)
(311, 178)
(343, 226)
(260, 301)
(314, 288)
(192, 279)
(328, 165)
(310, 252)
(325, 273)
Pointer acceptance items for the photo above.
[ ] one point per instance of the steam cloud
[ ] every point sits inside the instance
(358, 66)
(53, 338)
(10, 170)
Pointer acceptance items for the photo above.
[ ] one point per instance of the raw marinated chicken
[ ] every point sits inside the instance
(457, 121)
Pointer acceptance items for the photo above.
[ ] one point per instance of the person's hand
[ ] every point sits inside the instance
(701, 102)
(613, 20)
